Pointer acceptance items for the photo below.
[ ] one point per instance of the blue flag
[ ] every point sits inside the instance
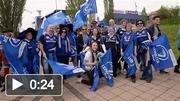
(16, 54)
(107, 68)
(130, 58)
(89, 7)
(68, 71)
(79, 20)
(72, 39)
(55, 19)
(96, 79)
(161, 53)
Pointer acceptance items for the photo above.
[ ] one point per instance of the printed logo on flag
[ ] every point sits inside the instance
(160, 53)
(107, 73)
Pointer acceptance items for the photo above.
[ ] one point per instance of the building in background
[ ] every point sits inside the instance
(131, 16)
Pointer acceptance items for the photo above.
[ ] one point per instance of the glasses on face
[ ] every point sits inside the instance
(101, 26)
(84, 29)
(139, 23)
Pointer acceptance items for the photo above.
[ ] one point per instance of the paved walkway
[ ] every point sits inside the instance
(164, 87)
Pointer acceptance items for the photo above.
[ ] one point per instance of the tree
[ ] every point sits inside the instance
(11, 14)
(109, 10)
(144, 15)
(73, 6)
(175, 11)
(164, 12)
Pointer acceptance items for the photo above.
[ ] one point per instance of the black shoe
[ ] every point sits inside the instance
(127, 76)
(2, 90)
(148, 81)
(142, 78)
(133, 80)
(177, 71)
(163, 72)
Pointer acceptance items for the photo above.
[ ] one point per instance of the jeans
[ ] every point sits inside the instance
(47, 68)
(147, 70)
(75, 60)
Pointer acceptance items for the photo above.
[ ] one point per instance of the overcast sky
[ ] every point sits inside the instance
(48, 6)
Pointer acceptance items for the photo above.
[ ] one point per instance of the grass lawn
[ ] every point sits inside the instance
(172, 34)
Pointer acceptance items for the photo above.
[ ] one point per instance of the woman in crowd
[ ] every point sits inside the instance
(126, 38)
(90, 62)
(96, 37)
(27, 36)
(143, 40)
(111, 41)
(64, 47)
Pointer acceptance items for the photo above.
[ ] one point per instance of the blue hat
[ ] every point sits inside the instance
(101, 24)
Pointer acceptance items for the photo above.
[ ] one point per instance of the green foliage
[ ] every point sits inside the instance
(172, 34)
(11, 14)
(171, 21)
(164, 12)
(144, 15)
(73, 6)
(175, 11)
(169, 15)
(109, 9)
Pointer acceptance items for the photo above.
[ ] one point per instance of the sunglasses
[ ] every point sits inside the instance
(101, 26)
(139, 23)
(84, 29)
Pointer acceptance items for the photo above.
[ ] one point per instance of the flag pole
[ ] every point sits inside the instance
(56, 5)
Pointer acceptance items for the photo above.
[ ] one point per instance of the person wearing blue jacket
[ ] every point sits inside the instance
(27, 36)
(64, 47)
(143, 40)
(72, 38)
(125, 40)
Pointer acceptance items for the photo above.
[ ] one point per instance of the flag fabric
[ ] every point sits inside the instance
(162, 56)
(55, 19)
(107, 68)
(66, 70)
(79, 20)
(89, 7)
(96, 79)
(16, 54)
(130, 58)
(72, 39)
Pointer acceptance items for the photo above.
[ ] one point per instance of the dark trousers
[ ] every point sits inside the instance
(90, 78)
(118, 57)
(125, 66)
(63, 59)
(178, 65)
(147, 70)
(114, 62)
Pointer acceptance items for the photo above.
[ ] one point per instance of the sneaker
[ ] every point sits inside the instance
(177, 71)
(133, 80)
(163, 72)
(79, 80)
(148, 81)
(142, 78)
(2, 90)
